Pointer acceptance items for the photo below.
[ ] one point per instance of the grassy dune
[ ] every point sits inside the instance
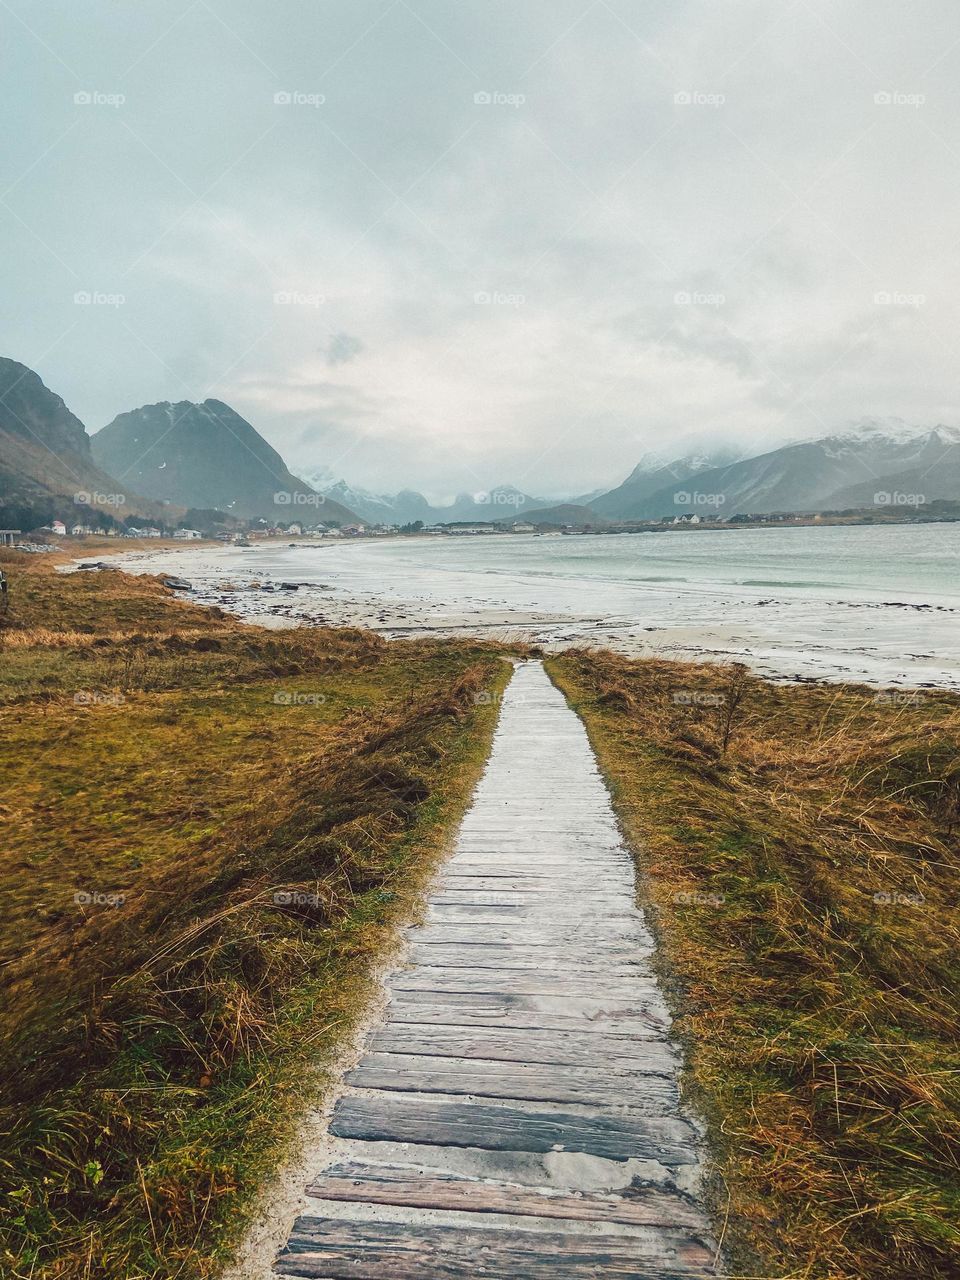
(210, 829)
(800, 851)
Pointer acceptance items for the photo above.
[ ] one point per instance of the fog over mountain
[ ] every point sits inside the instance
(861, 466)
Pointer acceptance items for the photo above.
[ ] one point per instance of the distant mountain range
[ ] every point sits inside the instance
(161, 460)
(864, 466)
(873, 463)
(206, 455)
(502, 503)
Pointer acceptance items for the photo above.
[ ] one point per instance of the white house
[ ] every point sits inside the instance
(59, 528)
(186, 535)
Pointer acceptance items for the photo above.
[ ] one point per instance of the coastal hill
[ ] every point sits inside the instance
(45, 457)
(207, 455)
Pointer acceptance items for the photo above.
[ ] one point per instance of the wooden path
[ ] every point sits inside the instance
(516, 1114)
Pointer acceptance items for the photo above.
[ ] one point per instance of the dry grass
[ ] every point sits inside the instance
(803, 879)
(264, 806)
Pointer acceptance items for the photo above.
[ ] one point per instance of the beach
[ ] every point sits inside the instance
(868, 604)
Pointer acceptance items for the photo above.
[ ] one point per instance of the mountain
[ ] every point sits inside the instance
(46, 460)
(206, 455)
(651, 474)
(824, 474)
(500, 503)
(374, 508)
(930, 472)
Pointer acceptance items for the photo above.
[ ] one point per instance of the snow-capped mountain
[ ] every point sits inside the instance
(503, 502)
(834, 472)
(651, 474)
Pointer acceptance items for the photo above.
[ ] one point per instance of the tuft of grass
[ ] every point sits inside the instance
(799, 855)
(212, 833)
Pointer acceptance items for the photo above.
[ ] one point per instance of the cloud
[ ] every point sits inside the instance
(342, 348)
(567, 237)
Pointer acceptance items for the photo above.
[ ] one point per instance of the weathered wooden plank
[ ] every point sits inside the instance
(586, 1048)
(543, 934)
(538, 900)
(391, 1117)
(638, 1000)
(542, 981)
(536, 877)
(349, 1250)
(359, 1182)
(510, 959)
(489, 1015)
(491, 1079)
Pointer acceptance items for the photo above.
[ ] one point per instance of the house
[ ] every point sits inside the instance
(8, 537)
(296, 529)
(59, 528)
(353, 530)
(523, 526)
(80, 531)
(187, 535)
(150, 532)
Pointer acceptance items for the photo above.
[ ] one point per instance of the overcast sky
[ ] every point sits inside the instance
(449, 243)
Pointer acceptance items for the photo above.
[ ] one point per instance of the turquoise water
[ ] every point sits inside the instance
(878, 604)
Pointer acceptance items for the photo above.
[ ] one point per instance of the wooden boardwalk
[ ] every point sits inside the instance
(516, 1114)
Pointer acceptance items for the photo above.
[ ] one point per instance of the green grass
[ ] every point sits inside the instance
(804, 885)
(159, 1053)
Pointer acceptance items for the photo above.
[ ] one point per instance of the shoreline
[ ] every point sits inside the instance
(779, 643)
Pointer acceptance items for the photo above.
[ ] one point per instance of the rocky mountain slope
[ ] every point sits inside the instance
(46, 463)
(207, 455)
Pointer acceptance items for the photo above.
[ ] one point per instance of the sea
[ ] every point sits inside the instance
(873, 604)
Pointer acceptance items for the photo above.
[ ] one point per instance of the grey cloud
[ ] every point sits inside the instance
(511, 263)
